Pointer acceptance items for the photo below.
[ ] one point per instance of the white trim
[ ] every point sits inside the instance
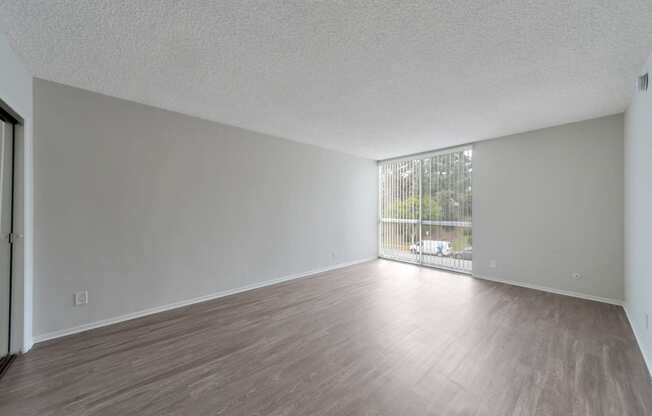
(428, 154)
(163, 308)
(648, 361)
(552, 290)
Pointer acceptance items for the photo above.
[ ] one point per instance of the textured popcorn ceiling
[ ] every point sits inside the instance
(372, 78)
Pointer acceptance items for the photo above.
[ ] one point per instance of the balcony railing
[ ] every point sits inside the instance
(444, 244)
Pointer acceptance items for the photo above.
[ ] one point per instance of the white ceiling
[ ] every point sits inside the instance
(371, 78)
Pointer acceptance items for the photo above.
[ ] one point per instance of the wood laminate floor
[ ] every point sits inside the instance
(380, 338)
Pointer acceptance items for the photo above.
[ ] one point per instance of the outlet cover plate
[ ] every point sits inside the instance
(81, 298)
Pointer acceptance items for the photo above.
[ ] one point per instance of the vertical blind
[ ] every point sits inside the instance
(425, 209)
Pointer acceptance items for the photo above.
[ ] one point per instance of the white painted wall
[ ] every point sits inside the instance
(16, 91)
(638, 216)
(144, 207)
(548, 203)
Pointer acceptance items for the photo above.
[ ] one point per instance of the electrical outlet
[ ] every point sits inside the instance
(492, 264)
(576, 276)
(81, 298)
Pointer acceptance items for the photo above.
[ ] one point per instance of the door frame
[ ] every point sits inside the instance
(419, 222)
(7, 115)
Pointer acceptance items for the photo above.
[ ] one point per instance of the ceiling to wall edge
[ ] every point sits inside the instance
(470, 144)
(262, 133)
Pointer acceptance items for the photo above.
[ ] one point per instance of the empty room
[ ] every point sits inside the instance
(296, 208)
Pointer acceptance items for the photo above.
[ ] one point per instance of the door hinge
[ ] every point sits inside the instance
(13, 237)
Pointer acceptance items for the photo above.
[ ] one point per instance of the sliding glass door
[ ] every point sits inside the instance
(399, 209)
(425, 209)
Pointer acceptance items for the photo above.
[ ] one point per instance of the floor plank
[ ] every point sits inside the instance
(380, 338)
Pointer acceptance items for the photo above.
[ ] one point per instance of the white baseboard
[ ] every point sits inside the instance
(647, 360)
(157, 309)
(27, 346)
(552, 290)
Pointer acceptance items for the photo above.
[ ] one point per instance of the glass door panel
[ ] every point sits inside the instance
(425, 206)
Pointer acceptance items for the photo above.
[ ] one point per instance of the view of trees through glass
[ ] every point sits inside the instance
(425, 209)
